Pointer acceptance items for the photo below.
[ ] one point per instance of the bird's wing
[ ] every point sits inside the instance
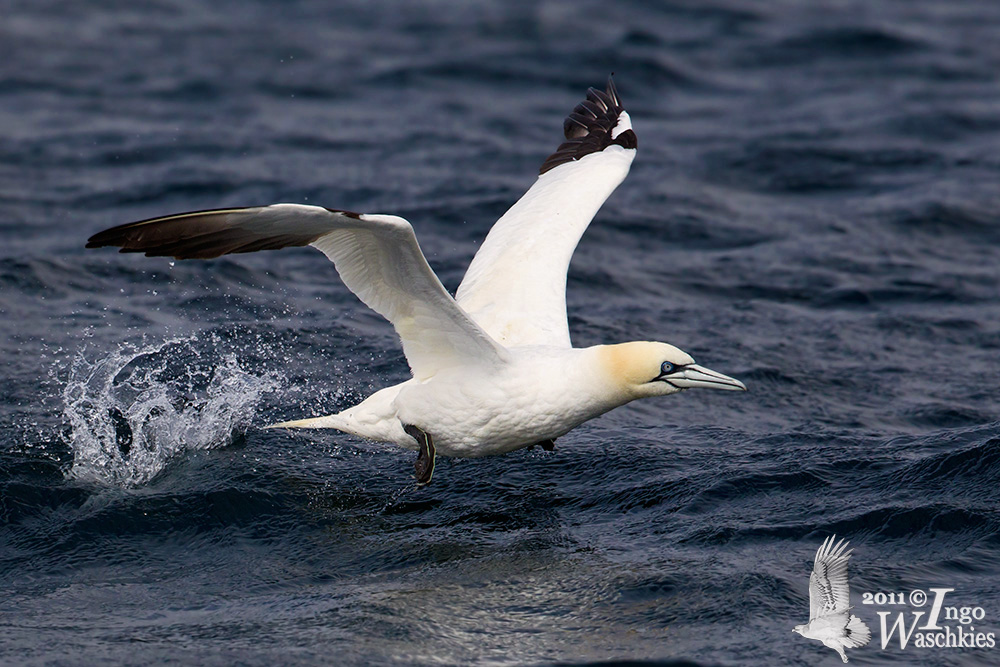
(515, 287)
(829, 592)
(377, 257)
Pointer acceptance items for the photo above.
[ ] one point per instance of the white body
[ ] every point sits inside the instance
(838, 631)
(540, 394)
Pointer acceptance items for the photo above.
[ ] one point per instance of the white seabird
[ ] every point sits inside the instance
(493, 368)
(830, 620)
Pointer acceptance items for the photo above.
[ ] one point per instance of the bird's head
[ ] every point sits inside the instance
(644, 369)
(800, 629)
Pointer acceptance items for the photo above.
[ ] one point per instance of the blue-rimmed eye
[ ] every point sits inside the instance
(666, 367)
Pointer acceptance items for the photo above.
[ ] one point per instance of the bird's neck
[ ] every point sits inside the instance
(614, 368)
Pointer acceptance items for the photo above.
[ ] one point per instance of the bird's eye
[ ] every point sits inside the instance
(666, 367)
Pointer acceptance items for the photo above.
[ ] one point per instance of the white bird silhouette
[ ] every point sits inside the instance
(830, 620)
(493, 368)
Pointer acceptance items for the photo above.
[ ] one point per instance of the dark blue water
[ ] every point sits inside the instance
(815, 209)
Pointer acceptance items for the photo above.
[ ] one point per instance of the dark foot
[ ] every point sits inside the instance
(123, 431)
(548, 445)
(424, 465)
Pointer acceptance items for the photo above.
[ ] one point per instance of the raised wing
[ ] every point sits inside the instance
(515, 287)
(377, 257)
(829, 592)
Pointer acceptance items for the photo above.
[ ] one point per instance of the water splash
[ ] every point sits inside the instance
(135, 410)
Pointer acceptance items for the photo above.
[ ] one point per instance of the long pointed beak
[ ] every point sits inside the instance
(694, 375)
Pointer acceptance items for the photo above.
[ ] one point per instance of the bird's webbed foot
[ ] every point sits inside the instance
(547, 445)
(424, 465)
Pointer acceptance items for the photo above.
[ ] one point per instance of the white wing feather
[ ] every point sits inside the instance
(377, 256)
(829, 592)
(515, 287)
(379, 259)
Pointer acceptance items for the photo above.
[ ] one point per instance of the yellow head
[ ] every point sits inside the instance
(642, 369)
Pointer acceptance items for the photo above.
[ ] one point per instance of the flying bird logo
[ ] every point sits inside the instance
(830, 620)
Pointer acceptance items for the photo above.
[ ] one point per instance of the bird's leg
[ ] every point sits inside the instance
(424, 465)
(547, 445)
(836, 647)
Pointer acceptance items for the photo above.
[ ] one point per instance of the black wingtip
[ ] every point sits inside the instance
(103, 239)
(612, 91)
(206, 234)
(589, 126)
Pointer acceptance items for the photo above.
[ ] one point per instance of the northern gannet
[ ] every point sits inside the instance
(493, 368)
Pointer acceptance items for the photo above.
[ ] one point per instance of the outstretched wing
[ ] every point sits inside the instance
(829, 592)
(515, 287)
(377, 257)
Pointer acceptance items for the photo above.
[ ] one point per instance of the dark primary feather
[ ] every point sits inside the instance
(208, 234)
(588, 128)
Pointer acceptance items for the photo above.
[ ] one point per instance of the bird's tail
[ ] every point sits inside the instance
(857, 633)
(383, 430)
(373, 418)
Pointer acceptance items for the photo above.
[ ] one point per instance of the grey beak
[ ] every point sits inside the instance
(694, 375)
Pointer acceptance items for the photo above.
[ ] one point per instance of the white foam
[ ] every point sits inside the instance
(135, 410)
